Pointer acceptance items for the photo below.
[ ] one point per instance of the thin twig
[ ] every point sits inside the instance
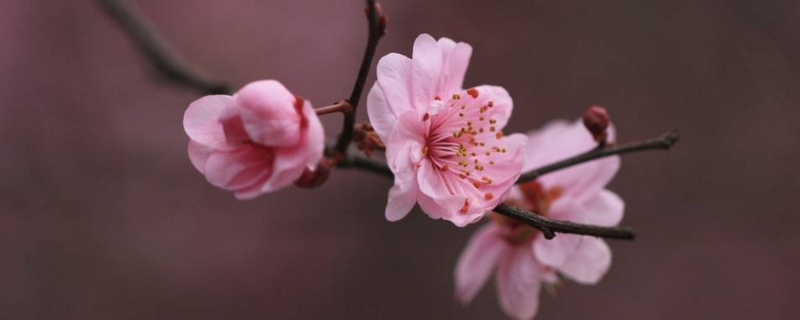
(664, 142)
(376, 31)
(343, 106)
(549, 227)
(157, 52)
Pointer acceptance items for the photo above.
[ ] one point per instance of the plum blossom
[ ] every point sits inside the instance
(257, 141)
(444, 144)
(519, 255)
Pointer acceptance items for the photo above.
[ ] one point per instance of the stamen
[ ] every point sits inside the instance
(489, 196)
(473, 92)
(499, 134)
(465, 208)
(456, 96)
(426, 117)
(437, 98)
(476, 184)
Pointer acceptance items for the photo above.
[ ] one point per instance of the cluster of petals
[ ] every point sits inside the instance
(444, 143)
(257, 141)
(519, 256)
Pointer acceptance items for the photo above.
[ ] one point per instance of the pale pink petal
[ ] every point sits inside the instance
(437, 202)
(605, 209)
(237, 169)
(455, 59)
(290, 162)
(394, 77)
(380, 115)
(477, 261)
(502, 104)
(403, 195)
(556, 251)
(519, 283)
(199, 154)
(446, 46)
(558, 141)
(201, 121)
(313, 136)
(427, 68)
(409, 128)
(505, 171)
(269, 114)
(589, 262)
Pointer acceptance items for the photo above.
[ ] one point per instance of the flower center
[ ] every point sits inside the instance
(463, 142)
(537, 200)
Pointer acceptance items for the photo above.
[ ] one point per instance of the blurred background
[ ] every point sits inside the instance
(103, 217)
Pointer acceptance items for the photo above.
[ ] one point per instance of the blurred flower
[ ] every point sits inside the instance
(259, 140)
(525, 260)
(444, 144)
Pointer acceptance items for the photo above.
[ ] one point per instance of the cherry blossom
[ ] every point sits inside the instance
(444, 144)
(257, 141)
(522, 259)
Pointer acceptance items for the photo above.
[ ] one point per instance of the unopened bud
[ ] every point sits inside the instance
(596, 120)
(367, 140)
(312, 179)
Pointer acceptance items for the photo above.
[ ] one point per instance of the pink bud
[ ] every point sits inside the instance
(596, 120)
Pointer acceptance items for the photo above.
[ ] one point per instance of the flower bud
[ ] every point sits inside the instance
(596, 120)
(367, 140)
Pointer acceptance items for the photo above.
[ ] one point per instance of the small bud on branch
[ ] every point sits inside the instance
(596, 120)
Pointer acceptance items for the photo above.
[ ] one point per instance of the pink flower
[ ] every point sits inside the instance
(444, 144)
(257, 141)
(525, 260)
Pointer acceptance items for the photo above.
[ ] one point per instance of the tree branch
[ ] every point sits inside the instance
(377, 23)
(157, 52)
(549, 226)
(664, 142)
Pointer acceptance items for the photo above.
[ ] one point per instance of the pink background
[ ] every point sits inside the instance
(103, 217)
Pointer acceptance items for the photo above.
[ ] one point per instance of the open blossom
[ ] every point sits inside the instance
(259, 140)
(444, 144)
(521, 257)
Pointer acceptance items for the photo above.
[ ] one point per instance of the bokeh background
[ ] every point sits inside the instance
(103, 217)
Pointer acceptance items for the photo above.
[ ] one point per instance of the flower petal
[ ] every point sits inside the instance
(605, 209)
(519, 283)
(313, 136)
(201, 121)
(589, 262)
(239, 168)
(380, 115)
(394, 77)
(558, 141)
(502, 104)
(477, 261)
(199, 155)
(427, 68)
(268, 113)
(436, 201)
(403, 195)
(455, 59)
(554, 252)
